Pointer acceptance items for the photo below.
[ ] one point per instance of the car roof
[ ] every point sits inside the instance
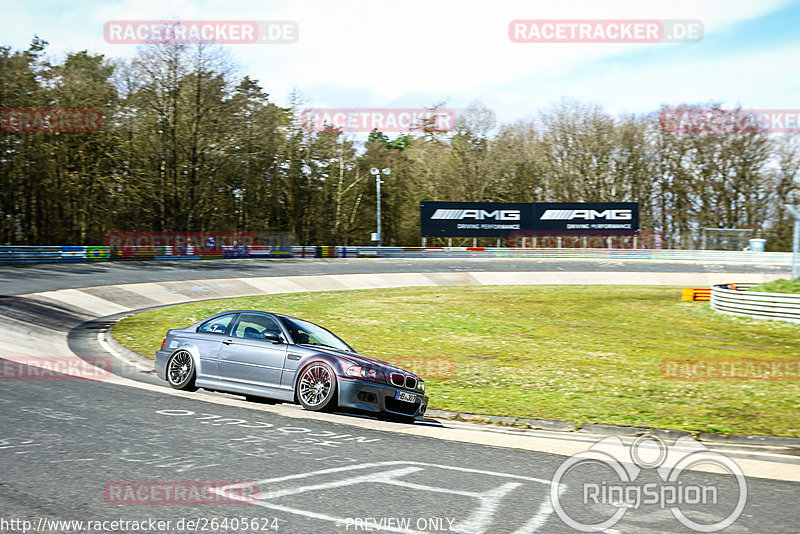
(226, 312)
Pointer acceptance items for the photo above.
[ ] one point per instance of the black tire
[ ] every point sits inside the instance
(316, 387)
(180, 371)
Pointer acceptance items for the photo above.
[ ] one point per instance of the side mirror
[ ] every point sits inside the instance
(272, 336)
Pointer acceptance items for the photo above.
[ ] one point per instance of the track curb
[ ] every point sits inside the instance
(616, 430)
(125, 351)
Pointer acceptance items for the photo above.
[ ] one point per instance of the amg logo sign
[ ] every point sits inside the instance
(587, 215)
(504, 219)
(478, 215)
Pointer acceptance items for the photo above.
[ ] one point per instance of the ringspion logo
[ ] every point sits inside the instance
(624, 485)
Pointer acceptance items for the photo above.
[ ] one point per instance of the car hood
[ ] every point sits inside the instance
(360, 359)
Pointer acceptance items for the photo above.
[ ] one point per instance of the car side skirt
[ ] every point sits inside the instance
(245, 389)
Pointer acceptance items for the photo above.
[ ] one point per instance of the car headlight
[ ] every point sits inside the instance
(368, 373)
(421, 386)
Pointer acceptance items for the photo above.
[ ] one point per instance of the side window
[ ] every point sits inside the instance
(217, 325)
(299, 335)
(254, 325)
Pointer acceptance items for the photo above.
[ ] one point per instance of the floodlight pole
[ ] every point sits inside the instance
(378, 173)
(795, 211)
(239, 194)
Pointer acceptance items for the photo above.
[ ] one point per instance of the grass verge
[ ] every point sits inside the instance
(588, 354)
(779, 286)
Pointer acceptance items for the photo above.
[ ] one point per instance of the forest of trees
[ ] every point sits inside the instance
(181, 132)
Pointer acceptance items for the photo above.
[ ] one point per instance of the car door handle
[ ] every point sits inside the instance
(228, 342)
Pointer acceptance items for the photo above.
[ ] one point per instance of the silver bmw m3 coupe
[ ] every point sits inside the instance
(264, 355)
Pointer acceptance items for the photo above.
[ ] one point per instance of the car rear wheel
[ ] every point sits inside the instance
(181, 372)
(316, 387)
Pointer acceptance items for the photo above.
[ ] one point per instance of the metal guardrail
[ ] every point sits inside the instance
(774, 258)
(57, 254)
(737, 300)
(51, 254)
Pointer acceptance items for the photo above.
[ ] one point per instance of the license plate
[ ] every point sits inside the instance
(405, 397)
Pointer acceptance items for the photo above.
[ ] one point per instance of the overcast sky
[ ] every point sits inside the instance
(415, 53)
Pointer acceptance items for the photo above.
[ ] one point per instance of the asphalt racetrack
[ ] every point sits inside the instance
(121, 452)
(35, 278)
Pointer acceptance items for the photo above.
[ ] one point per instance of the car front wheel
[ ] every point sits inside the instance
(181, 372)
(316, 387)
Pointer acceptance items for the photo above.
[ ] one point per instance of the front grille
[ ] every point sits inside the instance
(405, 408)
(397, 380)
(402, 381)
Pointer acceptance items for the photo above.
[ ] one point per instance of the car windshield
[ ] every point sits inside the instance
(305, 333)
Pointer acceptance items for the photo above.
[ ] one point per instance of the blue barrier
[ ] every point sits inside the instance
(56, 254)
(73, 253)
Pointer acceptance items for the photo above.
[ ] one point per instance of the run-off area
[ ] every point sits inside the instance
(62, 442)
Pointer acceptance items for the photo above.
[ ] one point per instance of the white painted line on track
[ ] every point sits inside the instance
(593, 438)
(479, 520)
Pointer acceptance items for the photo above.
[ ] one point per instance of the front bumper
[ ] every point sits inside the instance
(378, 398)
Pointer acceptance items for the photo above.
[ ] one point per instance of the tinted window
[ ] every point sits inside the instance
(305, 333)
(254, 325)
(217, 325)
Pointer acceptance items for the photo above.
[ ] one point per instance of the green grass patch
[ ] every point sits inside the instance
(779, 286)
(588, 354)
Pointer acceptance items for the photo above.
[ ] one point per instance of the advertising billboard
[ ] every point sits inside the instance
(502, 219)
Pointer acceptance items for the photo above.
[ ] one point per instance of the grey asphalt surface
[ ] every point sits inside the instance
(70, 450)
(46, 277)
(66, 446)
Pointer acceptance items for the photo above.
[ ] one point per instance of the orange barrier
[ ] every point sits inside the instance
(696, 294)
